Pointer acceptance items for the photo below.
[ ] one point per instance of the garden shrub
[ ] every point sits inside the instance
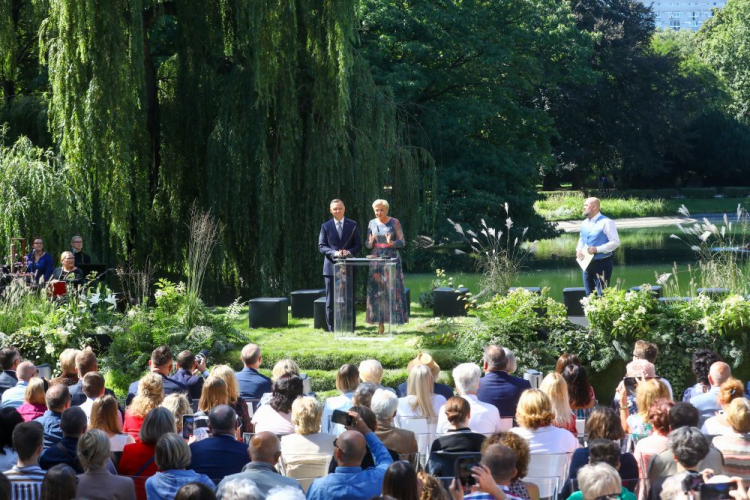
(699, 192)
(736, 191)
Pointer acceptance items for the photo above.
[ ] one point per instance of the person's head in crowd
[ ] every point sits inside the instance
(512, 362)
(432, 488)
(599, 480)
(494, 359)
(157, 423)
(401, 481)
(68, 362)
(9, 358)
(67, 260)
(86, 362)
(172, 452)
(195, 491)
(186, 360)
(283, 366)
(9, 419)
(640, 368)
(93, 385)
(519, 446)
(658, 415)
(555, 387)
(150, 395)
(421, 385)
(604, 450)
(645, 350)
(368, 417)
(349, 449)
(239, 488)
(306, 415)
(27, 442)
(466, 377)
(35, 392)
(370, 370)
(729, 391)
(60, 483)
(222, 420)
(251, 357)
(285, 493)
(738, 415)
(647, 392)
(501, 462)
(719, 373)
(77, 243)
(179, 406)
(265, 447)
(384, 405)
(161, 360)
(73, 422)
(534, 410)
(424, 359)
(363, 394)
(347, 378)
(93, 449)
(214, 394)
(458, 412)
(226, 374)
(566, 360)
(701, 364)
(286, 389)
(58, 398)
(579, 388)
(604, 423)
(683, 414)
(26, 371)
(105, 415)
(689, 446)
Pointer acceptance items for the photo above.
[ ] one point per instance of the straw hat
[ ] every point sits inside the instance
(424, 359)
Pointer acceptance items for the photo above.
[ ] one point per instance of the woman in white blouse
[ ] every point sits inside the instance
(420, 401)
(534, 415)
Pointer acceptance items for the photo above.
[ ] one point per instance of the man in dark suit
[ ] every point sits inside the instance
(339, 238)
(10, 358)
(187, 363)
(86, 362)
(221, 454)
(252, 383)
(497, 387)
(161, 362)
(77, 244)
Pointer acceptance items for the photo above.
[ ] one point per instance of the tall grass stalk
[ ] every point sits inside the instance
(205, 231)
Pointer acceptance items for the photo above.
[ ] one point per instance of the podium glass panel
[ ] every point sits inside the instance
(379, 293)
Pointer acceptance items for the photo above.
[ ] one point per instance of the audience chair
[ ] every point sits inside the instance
(424, 429)
(304, 468)
(548, 465)
(548, 486)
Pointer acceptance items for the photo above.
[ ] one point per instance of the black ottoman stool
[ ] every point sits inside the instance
(303, 300)
(450, 303)
(269, 312)
(572, 299)
(320, 314)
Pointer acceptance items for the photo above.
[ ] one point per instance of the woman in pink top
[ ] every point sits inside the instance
(34, 404)
(658, 441)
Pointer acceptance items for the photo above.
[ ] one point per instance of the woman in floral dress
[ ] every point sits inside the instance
(385, 237)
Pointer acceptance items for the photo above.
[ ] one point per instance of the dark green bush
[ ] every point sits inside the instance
(699, 192)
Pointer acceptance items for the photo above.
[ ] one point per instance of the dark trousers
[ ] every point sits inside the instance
(329, 303)
(597, 276)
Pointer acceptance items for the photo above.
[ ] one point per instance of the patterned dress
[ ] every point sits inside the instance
(377, 303)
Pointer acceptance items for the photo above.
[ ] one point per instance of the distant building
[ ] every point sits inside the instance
(683, 14)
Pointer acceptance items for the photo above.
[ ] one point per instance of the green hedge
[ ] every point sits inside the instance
(699, 192)
(736, 192)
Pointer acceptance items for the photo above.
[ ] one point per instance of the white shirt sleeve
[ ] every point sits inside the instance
(614, 239)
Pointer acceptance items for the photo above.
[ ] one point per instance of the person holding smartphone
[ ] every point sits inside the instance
(490, 479)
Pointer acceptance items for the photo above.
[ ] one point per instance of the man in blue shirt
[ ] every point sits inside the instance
(497, 387)
(73, 425)
(15, 396)
(222, 454)
(350, 482)
(58, 400)
(598, 237)
(161, 362)
(707, 403)
(252, 384)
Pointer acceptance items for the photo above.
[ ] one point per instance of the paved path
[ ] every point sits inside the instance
(574, 226)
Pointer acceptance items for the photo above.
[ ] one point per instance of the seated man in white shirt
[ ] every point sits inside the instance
(93, 388)
(485, 417)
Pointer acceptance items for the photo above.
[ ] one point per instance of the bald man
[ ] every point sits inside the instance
(13, 397)
(707, 403)
(598, 237)
(253, 384)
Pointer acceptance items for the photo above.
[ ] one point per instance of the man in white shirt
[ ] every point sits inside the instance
(485, 417)
(598, 237)
(93, 388)
(14, 397)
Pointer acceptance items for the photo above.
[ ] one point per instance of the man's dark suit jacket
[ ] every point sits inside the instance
(502, 390)
(68, 455)
(218, 456)
(194, 383)
(329, 241)
(8, 379)
(252, 384)
(444, 390)
(77, 397)
(171, 386)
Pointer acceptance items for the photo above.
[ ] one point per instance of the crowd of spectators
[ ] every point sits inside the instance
(185, 431)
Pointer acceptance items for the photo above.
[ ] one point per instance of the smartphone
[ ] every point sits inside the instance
(462, 469)
(188, 424)
(717, 491)
(629, 383)
(342, 417)
(692, 481)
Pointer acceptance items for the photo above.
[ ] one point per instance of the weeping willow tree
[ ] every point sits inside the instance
(259, 111)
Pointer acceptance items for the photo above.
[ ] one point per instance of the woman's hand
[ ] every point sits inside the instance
(623, 393)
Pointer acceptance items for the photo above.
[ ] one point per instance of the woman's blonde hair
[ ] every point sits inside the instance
(646, 393)
(306, 415)
(68, 361)
(150, 395)
(104, 415)
(65, 254)
(421, 385)
(93, 449)
(555, 387)
(381, 202)
(179, 405)
(283, 366)
(534, 409)
(35, 392)
(730, 390)
(226, 374)
(214, 394)
(738, 415)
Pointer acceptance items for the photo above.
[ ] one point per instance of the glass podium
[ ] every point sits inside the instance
(379, 292)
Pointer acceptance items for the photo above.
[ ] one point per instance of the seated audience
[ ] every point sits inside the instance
(233, 394)
(69, 376)
(650, 351)
(370, 370)
(425, 359)
(384, 405)
(565, 360)
(252, 383)
(608, 452)
(485, 418)
(658, 441)
(347, 380)
(646, 392)
(281, 367)
(14, 397)
(97, 483)
(420, 400)
(93, 389)
(307, 438)
(689, 447)
(728, 392)
(707, 403)
(188, 365)
(372, 423)
(60, 483)
(58, 400)
(701, 364)
(172, 457)
(214, 394)
(86, 362)
(580, 393)
(638, 369)
(401, 482)
(195, 491)
(67, 273)
(10, 358)
(736, 446)
(150, 395)
(363, 394)
(497, 387)
(520, 447)
(500, 461)
(73, 425)
(34, 404)
(556, 389)
(600, 481)
(459, 438)
(221, 454)
(432, 487)
(161, 364)
(179, 405)
(26, 476)
(105, 416)
(9, 419)
(265, 451)
(350, 481)
(276, 416)
(239, 489)
(534, 416)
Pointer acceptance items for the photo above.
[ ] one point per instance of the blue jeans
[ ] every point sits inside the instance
(597, 275)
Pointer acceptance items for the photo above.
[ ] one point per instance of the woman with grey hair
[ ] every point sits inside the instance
(172, 457)
(384, 405)
(512, 363)
(485, 418)
(363, 394)
(97, 482)
(239, 489)
(600, 480)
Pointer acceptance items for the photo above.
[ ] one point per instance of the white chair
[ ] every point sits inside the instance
(549, 487)
(581, 427)
(548, 465)
(304, 468)
(424, 429)
(506, 424)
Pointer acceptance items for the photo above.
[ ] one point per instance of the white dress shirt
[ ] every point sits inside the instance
(484, 419)
(405, 408)
(609, 230)
(548, 439)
